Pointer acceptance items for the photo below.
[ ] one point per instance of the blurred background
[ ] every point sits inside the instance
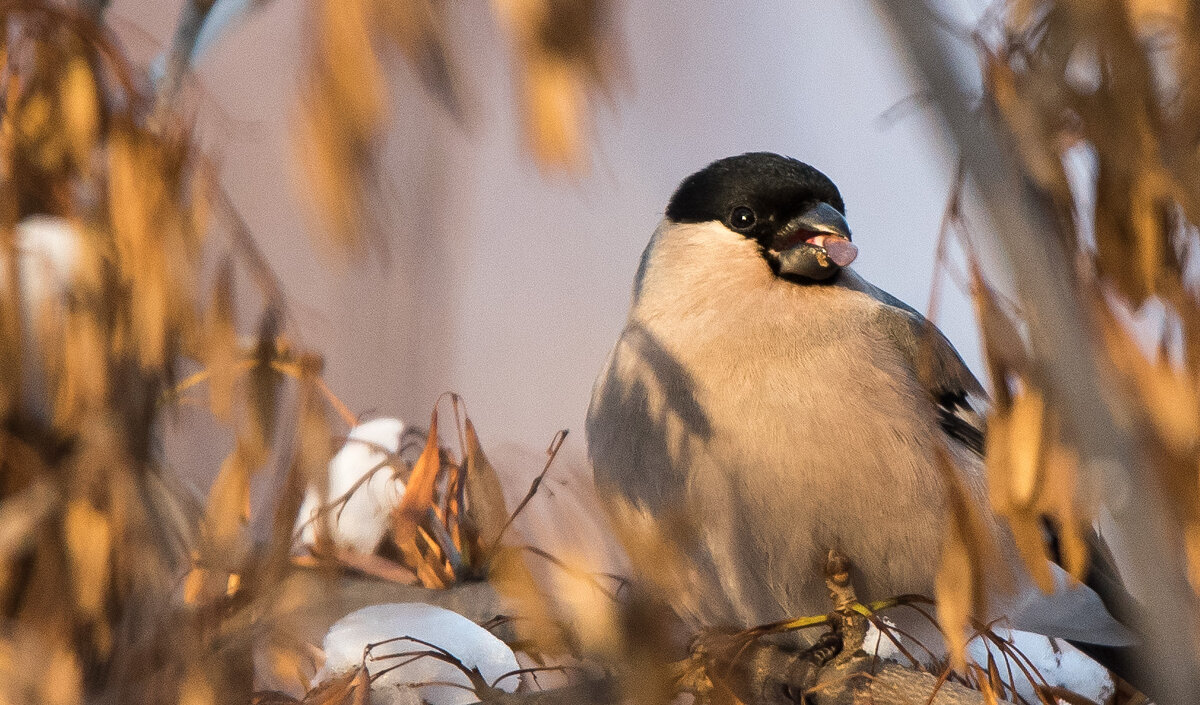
(508, 284)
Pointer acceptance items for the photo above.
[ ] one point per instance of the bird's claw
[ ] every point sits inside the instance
(826, 647)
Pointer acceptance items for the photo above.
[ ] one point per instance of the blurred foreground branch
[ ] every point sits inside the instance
(1064, 348)
(187, 32)
(94, 8)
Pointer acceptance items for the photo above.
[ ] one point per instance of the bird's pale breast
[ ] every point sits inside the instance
(750, 432)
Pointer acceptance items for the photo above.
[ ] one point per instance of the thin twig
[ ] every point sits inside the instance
(191, 20)
(590, 578)
(555, 445)
(342, 499)
(263, 275)
(530, 670)
(480, 685)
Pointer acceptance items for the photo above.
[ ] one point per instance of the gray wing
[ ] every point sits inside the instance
(958, 396)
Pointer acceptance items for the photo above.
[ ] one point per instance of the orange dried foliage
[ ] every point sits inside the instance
(564, 53)
(417, 504)
(452, 513)
(1100, 100)
(119, 584)
(970, 562)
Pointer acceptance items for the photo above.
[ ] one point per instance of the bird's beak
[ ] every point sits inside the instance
(816, 244)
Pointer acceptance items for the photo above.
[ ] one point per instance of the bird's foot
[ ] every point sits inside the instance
(692, 673)
(828, 645)
(753, 670)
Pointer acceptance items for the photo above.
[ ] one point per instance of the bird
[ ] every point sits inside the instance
(784, 406)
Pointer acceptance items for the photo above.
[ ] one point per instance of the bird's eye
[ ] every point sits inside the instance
(742, 218)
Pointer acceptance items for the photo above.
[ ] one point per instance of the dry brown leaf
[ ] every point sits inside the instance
(331, 167)
(554, 105)
(83, 377)
(33, 120)
(362, 688)
(511, 577)
(222, 343)
(290, 660)
(145, 227)
(196, 689)
(89, 542)
(561, 51)
(63, 681)
(1150, 16)
(313, 450)
(1170, 399)
(1002, 342)
(1192, 549)
(1026, 527)
(1032, 478)
(997, 459)
(415, 506)
(262, 392)
(341, 117)
(418, 28)
(1025, 427)
(1061, 501)
(1147, 220)
(1131, 245)
(350, 67)
(592, 614)
(486, 508)
(952, 586)
(194, 586)
(80, 114)
(1021, 110)
(970, 569)
(228, 508)
(21, 514)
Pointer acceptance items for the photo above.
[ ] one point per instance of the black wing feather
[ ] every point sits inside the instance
(951, 409)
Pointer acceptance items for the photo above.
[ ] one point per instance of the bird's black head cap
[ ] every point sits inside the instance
(792, 211)
(774, 188)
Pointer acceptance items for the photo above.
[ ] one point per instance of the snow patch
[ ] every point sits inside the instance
(363, 520)
(1059, 663)
(470, 643)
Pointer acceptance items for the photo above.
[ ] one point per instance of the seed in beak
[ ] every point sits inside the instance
(840, 250)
